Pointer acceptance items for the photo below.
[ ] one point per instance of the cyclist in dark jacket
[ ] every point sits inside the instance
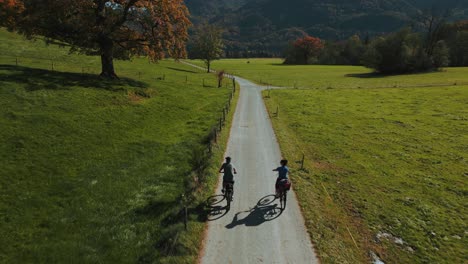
(228, 169)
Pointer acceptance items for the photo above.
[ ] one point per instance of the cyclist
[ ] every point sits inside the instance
(228, 169)
(283, 172)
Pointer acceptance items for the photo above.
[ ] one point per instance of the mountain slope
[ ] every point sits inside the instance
(265, 26)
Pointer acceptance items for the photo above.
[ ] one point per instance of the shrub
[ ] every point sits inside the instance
(404, 52)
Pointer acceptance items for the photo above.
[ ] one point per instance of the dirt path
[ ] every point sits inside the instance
(255, 229)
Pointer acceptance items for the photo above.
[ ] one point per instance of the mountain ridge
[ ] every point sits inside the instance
(263, 27)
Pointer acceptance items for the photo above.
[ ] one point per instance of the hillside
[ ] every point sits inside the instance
(263, 27)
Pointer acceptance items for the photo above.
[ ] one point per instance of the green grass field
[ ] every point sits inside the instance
(271, 71)
(93, 170)
(388, 161)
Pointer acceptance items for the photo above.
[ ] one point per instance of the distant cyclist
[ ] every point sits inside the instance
(283, 176)
(228, 169)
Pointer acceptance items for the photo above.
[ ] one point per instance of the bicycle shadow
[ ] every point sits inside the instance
(263, 211)
(214, 209)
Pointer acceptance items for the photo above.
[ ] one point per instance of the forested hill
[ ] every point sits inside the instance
(263, 27)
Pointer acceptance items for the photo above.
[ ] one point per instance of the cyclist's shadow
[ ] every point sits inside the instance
(263, 211)
(214, 209)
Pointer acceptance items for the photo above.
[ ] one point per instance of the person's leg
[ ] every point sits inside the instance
(224, 186)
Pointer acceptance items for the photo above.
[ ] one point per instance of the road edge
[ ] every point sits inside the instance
(225, 136)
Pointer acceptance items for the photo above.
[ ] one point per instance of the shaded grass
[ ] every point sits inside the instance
(379, 161)
(92, 169)
(39, 79)
(271, 71)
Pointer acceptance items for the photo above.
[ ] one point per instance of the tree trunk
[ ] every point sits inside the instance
(208, 66)
(107, 59)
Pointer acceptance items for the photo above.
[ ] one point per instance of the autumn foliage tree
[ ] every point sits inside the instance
(304, 50)
(108, 28)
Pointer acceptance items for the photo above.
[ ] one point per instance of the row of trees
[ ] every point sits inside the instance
(405, 51)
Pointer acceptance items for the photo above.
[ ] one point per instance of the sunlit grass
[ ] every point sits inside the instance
(92, 170)
(389, 161)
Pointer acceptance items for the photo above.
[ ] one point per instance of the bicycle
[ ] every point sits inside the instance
(283, 189)
(228, 194)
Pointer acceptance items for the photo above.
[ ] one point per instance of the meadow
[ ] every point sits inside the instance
(93, 170)
(384, 167)
(387, 164)
(272, 72)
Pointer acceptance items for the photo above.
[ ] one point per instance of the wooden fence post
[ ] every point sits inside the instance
(302, 161)
(185, 217)
(277, 111)
(184, 204)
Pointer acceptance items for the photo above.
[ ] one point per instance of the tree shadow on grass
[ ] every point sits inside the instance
(370, 75)
(367, 75)
(181, 70)
(39, 79)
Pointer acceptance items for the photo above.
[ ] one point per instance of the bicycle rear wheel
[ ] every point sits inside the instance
(283, 199)
(228, 197)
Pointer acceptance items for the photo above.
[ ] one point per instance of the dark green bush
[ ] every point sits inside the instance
(405, 52)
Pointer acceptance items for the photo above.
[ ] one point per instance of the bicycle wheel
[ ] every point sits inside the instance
(281, 198)
(284, 198)
(228, 198)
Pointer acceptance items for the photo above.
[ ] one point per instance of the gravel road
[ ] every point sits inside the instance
(255, 229)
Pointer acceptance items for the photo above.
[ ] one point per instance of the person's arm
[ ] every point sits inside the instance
(221, 169)
(234, 169)
(275, 169)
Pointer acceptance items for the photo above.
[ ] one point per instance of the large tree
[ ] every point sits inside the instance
(304, 50)
(107, 28)
(207, 44)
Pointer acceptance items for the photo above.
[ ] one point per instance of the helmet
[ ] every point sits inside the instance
(284, 162)
(228, 158)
